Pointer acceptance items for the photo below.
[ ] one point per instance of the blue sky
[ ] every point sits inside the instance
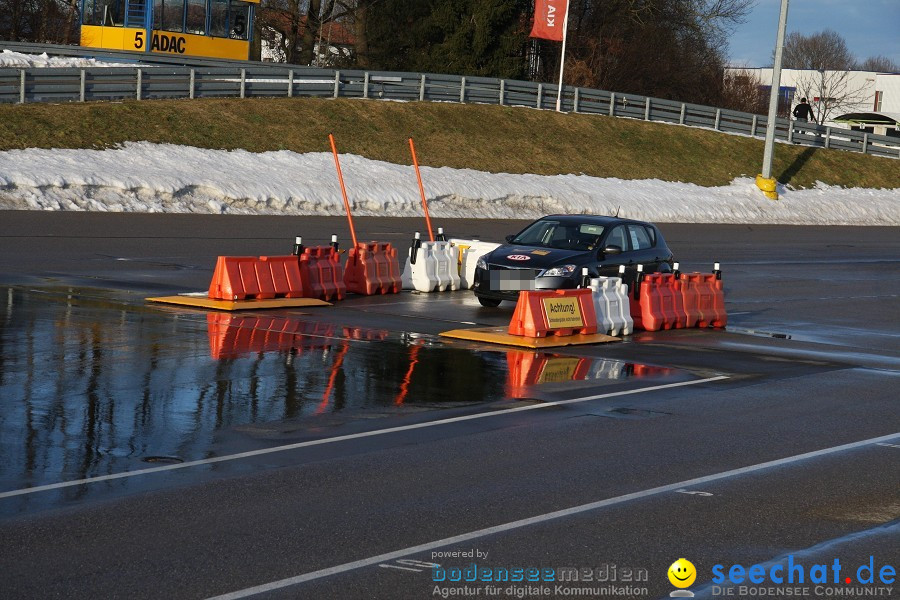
(870, 27)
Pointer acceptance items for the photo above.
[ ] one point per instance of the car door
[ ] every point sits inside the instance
(609, 265)
(643, 250)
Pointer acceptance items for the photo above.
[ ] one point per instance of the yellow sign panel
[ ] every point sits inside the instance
(163, 42)
(562, 313)
(558, 370)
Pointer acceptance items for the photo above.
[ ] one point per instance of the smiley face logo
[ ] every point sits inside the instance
(682, 573)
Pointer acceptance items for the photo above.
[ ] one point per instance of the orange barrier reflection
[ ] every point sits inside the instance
(232, 336)
(530, 368)
(335, 369)
(527, 369)
(404, 387)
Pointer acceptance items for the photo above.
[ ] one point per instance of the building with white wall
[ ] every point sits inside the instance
(863, 100)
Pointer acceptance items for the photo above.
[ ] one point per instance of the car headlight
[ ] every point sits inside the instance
(563, 271)
(481, 264)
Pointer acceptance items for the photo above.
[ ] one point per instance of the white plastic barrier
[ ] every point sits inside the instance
(469, 253)
(611, 304)
(434, 268)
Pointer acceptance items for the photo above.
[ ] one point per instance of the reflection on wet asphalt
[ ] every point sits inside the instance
(94, 383)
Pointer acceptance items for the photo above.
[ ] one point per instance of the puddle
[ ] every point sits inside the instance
(95, 382)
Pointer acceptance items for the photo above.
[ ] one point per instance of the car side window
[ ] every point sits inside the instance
(617, 238)
(640, 239)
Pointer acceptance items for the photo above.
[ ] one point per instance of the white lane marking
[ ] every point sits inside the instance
(342, 438)
(889, 445)
(466, 537)
(390, 566)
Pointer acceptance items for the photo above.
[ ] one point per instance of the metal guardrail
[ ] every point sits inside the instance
(168, 77)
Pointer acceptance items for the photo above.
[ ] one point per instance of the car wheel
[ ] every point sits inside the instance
(489, 302)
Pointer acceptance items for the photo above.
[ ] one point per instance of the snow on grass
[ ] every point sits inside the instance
(144, 177)
(10, 59)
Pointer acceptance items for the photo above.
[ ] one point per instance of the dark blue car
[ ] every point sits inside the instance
(550, 254)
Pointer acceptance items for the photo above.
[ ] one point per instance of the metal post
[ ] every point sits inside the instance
(612, 104)
(828, 137)
(865, 143)
(540, 96)
(462, 90)
(790, 135)
(683, 113)
(647, 109)
(753, 126)
(768, 153)
(191, 92)
(291, 83)
(337, 84)
(140, 80)
(422, 88)
(81, 86)
(577, 98)
(365, 84)
(243, 81)
(718, 118)
(21, 86)
(562, 60)
(502, 90)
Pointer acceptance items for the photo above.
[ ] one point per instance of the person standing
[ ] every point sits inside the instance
(803, 111)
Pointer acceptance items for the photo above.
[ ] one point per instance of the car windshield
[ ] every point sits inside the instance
(565, 236)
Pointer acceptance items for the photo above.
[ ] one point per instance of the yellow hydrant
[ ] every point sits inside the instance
(768, 186)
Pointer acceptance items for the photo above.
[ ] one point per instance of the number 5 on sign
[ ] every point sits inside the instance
(138, 40)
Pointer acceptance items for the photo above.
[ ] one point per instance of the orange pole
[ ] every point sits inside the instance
(412, 148)
(337, 163)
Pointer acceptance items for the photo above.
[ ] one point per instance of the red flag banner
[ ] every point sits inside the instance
(549, 16)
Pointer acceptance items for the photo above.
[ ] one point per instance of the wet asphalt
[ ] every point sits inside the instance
(375, 444)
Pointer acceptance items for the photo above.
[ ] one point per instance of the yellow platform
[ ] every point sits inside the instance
(499, 335)
(203, 301)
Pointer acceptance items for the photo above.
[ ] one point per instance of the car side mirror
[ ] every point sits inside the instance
(510, 238)
(612, 250)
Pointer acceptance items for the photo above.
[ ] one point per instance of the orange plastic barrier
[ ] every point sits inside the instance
(285, 275)
(321, 273)
(242, 277)
(372, 269)
(710, 300)
(665, 302)
(691, 299)
(554, 312)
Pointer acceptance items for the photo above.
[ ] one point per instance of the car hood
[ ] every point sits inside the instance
(533, 257)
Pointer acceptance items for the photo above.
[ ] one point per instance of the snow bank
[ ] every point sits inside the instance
(144, 177)
(8, 58)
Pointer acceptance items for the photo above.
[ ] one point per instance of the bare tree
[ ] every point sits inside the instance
(828, 80)
(743, 90)
(824, 50)
(832, 92)
(879, 64)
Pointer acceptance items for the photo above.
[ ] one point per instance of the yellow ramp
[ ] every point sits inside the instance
(499, 335)
(202, 301)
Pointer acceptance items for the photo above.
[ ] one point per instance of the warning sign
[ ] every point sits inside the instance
(562, 313)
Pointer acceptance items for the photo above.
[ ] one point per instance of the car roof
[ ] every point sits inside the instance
(593, 219)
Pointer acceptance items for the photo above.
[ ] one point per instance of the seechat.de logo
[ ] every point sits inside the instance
(682, 574)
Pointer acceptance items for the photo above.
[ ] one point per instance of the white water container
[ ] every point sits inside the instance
(469, 253)
(611, 303)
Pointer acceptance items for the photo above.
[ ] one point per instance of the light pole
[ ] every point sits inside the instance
(764, 181)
